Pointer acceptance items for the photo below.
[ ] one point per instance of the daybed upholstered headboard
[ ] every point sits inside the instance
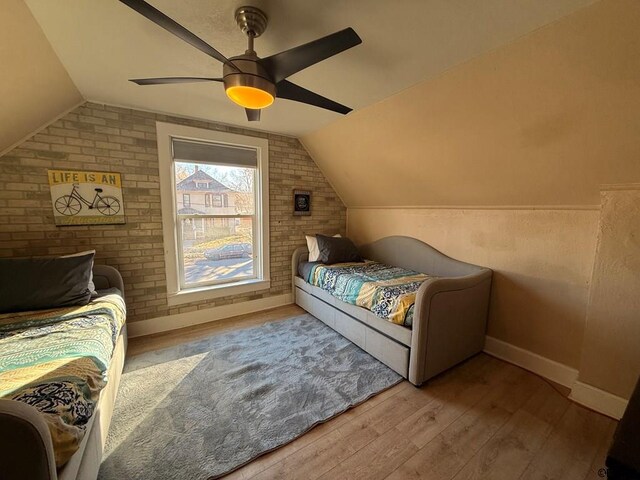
(105, 277)
(413, 254)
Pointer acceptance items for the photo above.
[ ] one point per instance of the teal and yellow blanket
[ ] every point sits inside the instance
(57, 362)
(389, 292)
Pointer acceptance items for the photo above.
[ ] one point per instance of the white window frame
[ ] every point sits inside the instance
(176, 295)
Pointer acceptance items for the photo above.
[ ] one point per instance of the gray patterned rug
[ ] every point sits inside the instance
(202, 409)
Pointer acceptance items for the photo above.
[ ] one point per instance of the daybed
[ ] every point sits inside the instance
(449, 318)
(26, 449)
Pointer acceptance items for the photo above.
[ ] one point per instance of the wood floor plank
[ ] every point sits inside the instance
(570, 449)
(449, 451)
(509, 452)
(403, 408)
(449, 398)
(375, 461)
(311, 463)
(545, 403)
(433, 418)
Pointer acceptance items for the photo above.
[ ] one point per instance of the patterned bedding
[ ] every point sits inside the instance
(389, 292)
(57, 361)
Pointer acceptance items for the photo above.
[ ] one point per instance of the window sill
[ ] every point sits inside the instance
(216, 291)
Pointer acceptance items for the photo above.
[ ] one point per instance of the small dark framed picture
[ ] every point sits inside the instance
(301, 202)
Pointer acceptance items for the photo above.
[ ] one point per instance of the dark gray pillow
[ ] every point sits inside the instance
(48, 282)
(336, 250)
(92, 286)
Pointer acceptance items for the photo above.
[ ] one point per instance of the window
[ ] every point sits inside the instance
(216, 242)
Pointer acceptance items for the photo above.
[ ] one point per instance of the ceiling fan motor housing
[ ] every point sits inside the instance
(252, 75)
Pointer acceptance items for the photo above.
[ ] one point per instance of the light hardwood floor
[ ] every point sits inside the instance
(484, 419)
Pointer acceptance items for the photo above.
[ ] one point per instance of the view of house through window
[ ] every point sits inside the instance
(216, 220)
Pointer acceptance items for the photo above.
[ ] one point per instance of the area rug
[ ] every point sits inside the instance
(203, 409)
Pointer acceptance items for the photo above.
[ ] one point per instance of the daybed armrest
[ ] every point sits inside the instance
(449, 323)
(105, 277)
(26, 450)
(448, 284)
(300, 254)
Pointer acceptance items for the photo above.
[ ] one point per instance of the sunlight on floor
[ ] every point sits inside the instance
(140, 393)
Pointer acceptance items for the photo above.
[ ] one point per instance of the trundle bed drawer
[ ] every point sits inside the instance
(316, 307)
(304, 299)
(350, 328)
(388, 351)
(392, 354)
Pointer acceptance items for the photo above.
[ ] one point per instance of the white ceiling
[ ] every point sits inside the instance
(102, 43)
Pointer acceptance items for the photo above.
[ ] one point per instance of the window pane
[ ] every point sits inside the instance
(214, 189)
(217, 249)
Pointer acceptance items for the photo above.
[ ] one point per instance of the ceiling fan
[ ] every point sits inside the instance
(250, 81)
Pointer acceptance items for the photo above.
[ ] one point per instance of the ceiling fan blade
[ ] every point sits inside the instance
(252, 115)
(160, 19)
(283, 64)
(291, 91)
(169, 80)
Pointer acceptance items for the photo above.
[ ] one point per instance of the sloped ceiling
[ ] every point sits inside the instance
(103, 43)
(542, 121)
(34, 86)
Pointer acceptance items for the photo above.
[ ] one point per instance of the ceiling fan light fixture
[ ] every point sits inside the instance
(249, 89)
(250, 97)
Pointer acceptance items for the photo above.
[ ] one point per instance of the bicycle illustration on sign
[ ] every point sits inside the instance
(86, 198)
(72, 204)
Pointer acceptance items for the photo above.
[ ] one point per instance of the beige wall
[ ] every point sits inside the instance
(34, 86)
(541, 258)
(611, 353)
(102, 138)
(542, 121)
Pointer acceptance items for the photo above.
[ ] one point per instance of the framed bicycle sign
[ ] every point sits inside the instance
(86, 198)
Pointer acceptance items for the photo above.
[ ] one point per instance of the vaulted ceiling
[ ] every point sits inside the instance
(103, 43)
(544, 121)
(34, 86)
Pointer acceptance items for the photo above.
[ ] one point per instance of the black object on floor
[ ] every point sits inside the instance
(623, 460)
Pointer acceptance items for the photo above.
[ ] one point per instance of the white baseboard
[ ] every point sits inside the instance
(582, 393)
(181, 320)
(554, 371)
(598, 400)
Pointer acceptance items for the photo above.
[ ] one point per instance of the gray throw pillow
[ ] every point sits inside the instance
(40, 283)
(92, 286)
(337, 250)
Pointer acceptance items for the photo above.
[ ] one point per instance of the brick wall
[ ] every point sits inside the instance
(105, 138)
